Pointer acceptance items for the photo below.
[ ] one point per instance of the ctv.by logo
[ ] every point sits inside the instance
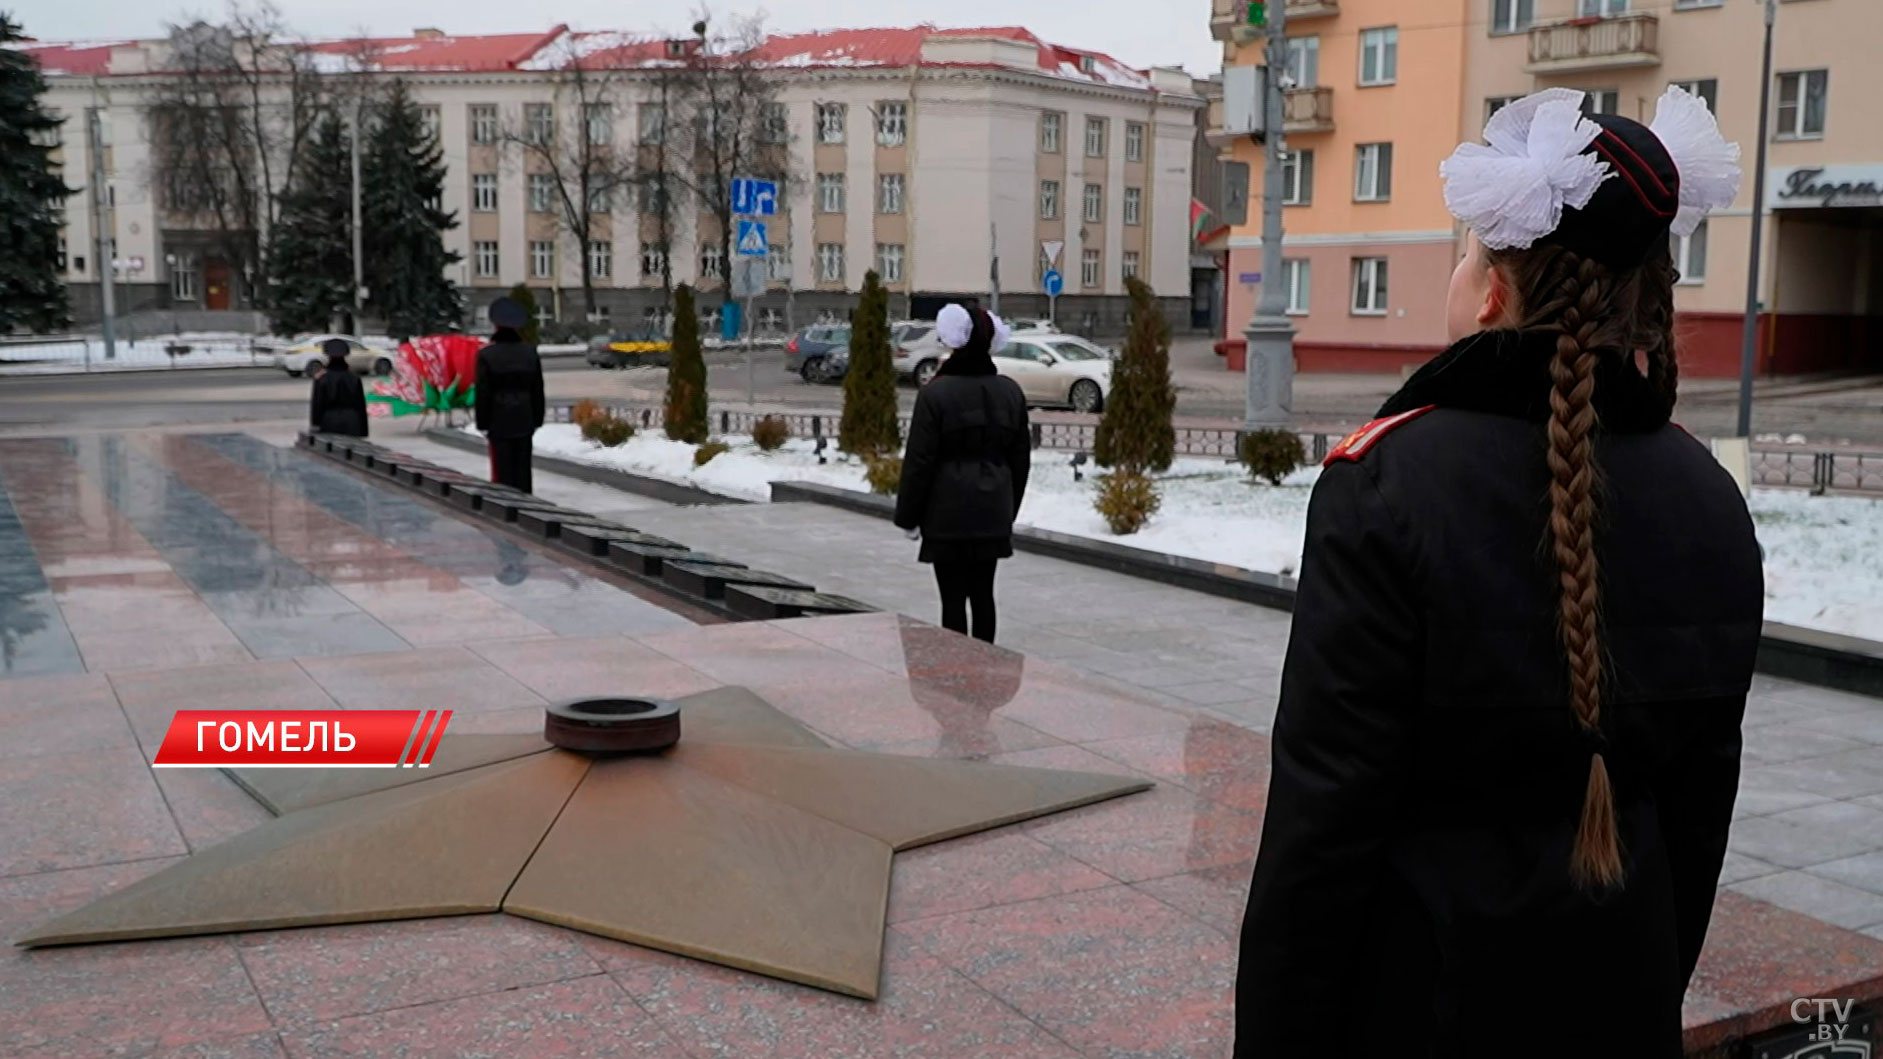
(1829, 1033)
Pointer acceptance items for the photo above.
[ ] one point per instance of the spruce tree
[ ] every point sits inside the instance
(1135, 431)
(402, 181)
(686, 377)
(310, 267)
(869, 426)
(32, 196)
(532, 332)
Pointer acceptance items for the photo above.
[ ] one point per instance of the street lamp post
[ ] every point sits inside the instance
(1269, 358)
(1749, 348)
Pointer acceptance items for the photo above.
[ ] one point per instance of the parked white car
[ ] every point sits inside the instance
(1057, 370)
(915, 350)
(305, 353)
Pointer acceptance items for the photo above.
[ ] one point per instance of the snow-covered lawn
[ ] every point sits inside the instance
(1823, 555)
(208, 349)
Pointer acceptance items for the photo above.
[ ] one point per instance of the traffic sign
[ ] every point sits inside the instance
(755, 197)
(1053, 283)
(749, 277)
(1051, 248)
(751, 241)
(1250, 279)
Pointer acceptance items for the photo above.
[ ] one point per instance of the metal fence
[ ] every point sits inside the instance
(1819, 470)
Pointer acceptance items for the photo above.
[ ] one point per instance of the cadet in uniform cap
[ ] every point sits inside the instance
(510, 402)
(338, 405)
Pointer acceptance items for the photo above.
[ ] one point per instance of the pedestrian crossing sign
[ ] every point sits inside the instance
(752, 242)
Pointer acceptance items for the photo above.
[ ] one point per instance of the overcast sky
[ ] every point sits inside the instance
(1139, 32)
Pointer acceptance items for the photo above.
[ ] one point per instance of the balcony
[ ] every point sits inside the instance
(1305, 110)
(1229, 19)
(1615, 43)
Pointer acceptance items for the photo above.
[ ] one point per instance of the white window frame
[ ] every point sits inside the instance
(483, 192)
(600, 200)
(889, 258)
(184, 276)
(1131, 263)
(830, 122)
(1379, 51)
(598, 121)
(1690, 252)
(892, 123)
(1373, 172)
(1801, 82)
(1601, 101)
(1095, 129)
(432, 120)
(1304, 61)
(485, 127)
(542, 258)
(653, 259)
(539, 123)
(1600, 8)
(1298, 277)
(1297, 176)
(1134, 207)
(1092, 203)
(542, 191)
(778, 263)
(1493, 104)
(712, 260)
(1052, 131)
(601, 258)
(830, 192)
(1512, 16)
(830, 263)
(1695, 5)
(890, 191)
(1706, 88)
(1368, 274)
(652, 123)
(489, 258)
(1134, 141)
(1049, 200)
(775, 126)
(1091, 267)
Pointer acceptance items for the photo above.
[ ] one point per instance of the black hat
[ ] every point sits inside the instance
(1633, 210)
(336, 348)
(505, 312)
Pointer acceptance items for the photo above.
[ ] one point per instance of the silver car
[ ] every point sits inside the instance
(306, 353)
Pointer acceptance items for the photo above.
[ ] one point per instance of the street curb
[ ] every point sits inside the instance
(656, 488)
(1845, 663)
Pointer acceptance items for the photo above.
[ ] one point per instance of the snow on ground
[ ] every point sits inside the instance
(1823, 565)
(208, 349)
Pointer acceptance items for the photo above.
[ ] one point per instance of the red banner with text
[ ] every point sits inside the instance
(302, 739)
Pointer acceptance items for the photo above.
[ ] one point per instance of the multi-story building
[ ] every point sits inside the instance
(927, 155)
(1399, 82)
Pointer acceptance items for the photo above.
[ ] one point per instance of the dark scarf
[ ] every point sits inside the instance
(1508, 373)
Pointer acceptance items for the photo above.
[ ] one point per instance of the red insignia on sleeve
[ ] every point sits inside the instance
(1357, 444)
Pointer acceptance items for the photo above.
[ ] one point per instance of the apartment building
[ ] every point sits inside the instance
(1420, 75)
(927, 155)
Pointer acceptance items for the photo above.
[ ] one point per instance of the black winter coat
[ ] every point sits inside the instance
(965, 470)
(510, 402)
(339, 403)
(1412, 884)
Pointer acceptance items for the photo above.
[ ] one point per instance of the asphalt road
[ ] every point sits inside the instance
(1848, 411)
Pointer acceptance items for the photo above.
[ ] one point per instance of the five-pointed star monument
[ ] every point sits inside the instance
(751, 843)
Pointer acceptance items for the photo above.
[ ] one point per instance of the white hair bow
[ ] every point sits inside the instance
(1708, 163)
(954, 325)
(1511, 190)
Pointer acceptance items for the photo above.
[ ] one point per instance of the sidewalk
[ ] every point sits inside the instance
(1809, 835)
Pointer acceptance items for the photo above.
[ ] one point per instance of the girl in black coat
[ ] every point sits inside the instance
(338, 405)
(964, 473)
(1507, 748)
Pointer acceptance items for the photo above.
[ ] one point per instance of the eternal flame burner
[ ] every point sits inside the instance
(612, 725)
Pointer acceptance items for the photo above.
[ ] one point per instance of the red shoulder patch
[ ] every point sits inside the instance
(1360, 442)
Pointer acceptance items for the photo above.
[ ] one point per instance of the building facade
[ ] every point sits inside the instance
(1421, 75)
(926, 155)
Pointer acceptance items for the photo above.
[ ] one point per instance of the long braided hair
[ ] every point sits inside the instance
(1596, 312)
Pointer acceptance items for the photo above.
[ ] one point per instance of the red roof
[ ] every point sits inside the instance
(558, 48)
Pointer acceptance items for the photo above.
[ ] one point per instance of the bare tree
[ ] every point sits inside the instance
(659, 158)
(570, 142)
(229, 125)
(737, 126)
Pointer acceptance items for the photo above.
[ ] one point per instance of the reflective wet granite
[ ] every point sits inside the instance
(147, 573)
